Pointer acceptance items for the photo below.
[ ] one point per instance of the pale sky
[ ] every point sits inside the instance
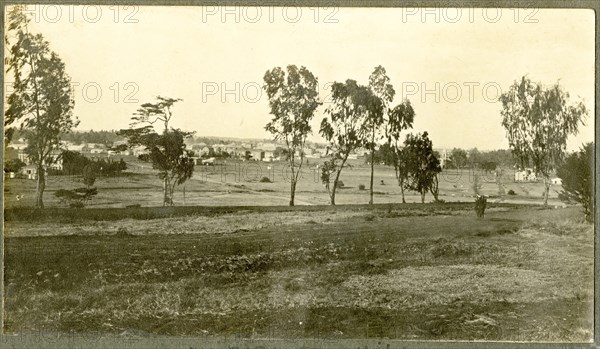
(191, 52)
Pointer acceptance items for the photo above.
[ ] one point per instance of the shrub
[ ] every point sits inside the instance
(577, 174)
(480, 204)
(76, 198)
(122, 231)
(76, 204)
(13, 165)
(444, 248)
(361, 187)
(340, 184)
(511, 192)
(265, 180)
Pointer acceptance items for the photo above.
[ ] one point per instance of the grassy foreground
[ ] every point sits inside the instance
(522, 273)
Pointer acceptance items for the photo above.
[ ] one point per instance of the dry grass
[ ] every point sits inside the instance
(528, 276)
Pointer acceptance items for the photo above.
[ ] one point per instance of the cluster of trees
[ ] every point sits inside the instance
(106, 137)
(475, 159)
(538, 120)
(76, 164)
(360, 116)
(100, 137)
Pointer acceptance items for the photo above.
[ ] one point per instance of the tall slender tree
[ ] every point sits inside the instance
(538, 120)
(293, 99)
(379, 82)
(41, 103)
(400, 118)
(345, 127)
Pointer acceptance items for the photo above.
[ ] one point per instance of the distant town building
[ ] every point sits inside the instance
(30, 171)
(19, 145)
(268, 156)
(257, 154)
(204, 151)
(97, 151)
(139, 150)
(443, 156)
(526, 175)
(54, 159)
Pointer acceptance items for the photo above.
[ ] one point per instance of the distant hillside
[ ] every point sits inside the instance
(102, 137)
(80, 137)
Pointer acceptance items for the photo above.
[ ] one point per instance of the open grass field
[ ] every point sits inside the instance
(238, 183)
(409, 271)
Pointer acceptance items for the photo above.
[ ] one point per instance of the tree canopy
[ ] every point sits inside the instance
(423, 165)
(380, 84)
(345, 127)
(400, 118)
(293, 99)
(538, 120)
(577, 174)
(41, 103)
(167, 150)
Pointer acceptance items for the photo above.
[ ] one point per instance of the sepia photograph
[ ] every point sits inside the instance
(251, 174)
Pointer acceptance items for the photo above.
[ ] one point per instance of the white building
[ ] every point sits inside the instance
(97, 150)
(139, 150)
(203, 151)
(526, 175)
(268, 156)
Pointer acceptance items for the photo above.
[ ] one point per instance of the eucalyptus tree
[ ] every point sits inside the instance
(346, 127)
(400, 118)
(293, 99)
(41, 103)
(538, 120)
(380, 84)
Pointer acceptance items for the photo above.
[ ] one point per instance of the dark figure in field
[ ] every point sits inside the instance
(480, 203)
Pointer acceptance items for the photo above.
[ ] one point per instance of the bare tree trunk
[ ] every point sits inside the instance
(372, 166)
(172, 191)
(41, 186)
(166, 191)
(401, 185)
(335, 184)
(337, 179)
(293, 178)
(423, 196)
(546, 189)
(435, 188)
(292, 191)
(332, 195)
